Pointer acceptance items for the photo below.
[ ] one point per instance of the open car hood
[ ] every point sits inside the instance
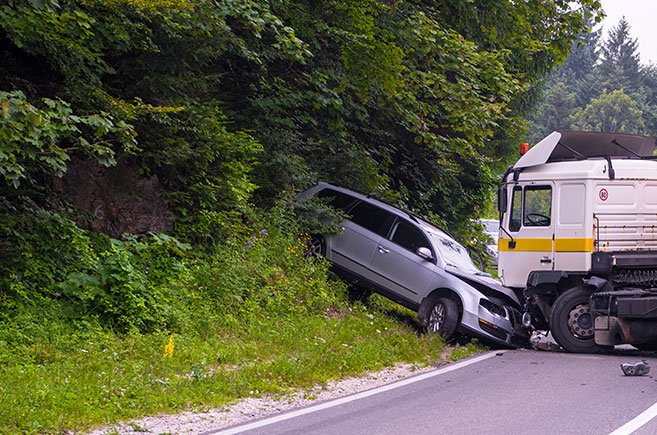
(486, 285)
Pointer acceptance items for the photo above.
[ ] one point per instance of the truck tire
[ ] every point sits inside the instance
(443, 318)
(572, 323)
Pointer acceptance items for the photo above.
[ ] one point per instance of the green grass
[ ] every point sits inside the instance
(111, 331)
(76, 381)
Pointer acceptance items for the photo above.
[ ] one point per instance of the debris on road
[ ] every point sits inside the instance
(636, 369)
(542, 340)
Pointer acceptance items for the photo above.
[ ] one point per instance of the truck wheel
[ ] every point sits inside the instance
(572, 323)
(443, 318)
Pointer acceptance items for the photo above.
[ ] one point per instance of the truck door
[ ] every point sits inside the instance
(531, 227)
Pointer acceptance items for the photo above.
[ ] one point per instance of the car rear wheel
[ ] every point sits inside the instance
(315, 246)
(443, 318)
(572, 322)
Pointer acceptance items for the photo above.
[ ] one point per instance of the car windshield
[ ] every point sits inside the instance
(452, 252)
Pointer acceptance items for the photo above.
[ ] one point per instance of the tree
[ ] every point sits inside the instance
(418, 101)
(570, 87)
(620, 65)
(613, 112)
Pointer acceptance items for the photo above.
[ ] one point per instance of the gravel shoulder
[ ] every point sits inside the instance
(252, 408)
(197, 423)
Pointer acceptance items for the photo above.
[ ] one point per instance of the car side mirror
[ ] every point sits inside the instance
(424, 253)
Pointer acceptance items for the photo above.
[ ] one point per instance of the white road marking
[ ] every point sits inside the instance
(352, 398)
(637, 421)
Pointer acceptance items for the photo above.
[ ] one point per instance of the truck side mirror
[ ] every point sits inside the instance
(501, 199)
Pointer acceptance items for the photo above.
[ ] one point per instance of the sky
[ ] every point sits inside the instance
(641, 15)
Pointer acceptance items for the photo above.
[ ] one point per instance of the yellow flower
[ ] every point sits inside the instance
(168, 349)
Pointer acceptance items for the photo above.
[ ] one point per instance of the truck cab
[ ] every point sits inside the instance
(578, 238)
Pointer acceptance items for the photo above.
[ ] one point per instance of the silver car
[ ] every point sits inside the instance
(418, 265)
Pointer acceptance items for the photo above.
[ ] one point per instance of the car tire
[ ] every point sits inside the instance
(315, 246)
(443, 318)
(572, 322)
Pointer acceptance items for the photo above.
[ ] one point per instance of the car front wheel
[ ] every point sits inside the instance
(443, 318)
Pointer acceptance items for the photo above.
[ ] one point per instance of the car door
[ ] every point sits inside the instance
(352, 249)
(397, 267)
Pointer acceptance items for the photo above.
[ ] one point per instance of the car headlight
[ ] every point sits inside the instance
(493, 307)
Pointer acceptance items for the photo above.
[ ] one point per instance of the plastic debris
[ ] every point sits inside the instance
(636, 369)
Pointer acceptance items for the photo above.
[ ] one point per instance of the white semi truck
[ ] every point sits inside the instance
(578, 238)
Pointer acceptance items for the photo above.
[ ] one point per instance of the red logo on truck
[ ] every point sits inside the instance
(604, 194)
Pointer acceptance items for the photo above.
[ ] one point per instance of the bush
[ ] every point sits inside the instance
(122, 284)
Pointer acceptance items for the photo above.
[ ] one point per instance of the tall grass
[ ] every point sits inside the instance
(247, 318)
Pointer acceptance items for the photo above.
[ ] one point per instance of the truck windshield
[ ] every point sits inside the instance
(452, 252)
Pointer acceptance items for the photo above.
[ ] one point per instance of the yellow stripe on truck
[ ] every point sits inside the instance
(545, 245)
(526, 245)
(573, 245)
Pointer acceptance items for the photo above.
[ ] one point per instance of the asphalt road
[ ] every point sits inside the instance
(514, 392)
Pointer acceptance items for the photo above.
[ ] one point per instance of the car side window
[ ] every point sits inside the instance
(407, 236)
(337, 200)
(369, 216)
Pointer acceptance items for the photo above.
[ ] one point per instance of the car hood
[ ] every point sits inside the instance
(486, 285)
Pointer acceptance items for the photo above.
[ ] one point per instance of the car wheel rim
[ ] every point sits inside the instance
(580, 322)
(314, 248)
(437, 317)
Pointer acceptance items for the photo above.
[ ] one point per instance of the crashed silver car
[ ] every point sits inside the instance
(418, 265)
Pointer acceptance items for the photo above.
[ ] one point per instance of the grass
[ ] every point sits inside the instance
(249, 317)
(79, 380)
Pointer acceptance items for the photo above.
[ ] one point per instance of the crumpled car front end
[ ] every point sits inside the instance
(490, 311)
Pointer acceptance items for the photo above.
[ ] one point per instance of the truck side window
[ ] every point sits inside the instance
(516, 209)
(538, 206)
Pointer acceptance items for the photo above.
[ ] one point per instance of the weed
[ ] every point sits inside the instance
(465, 351)
(134, 426)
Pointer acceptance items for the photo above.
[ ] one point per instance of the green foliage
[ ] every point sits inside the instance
(613, 112)
(43, 139)
(468, 350)
(205, 168)
(406, 98)
(619, 62)
(231, 105)
(418, 101)
(122, 284)
(602, 86)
